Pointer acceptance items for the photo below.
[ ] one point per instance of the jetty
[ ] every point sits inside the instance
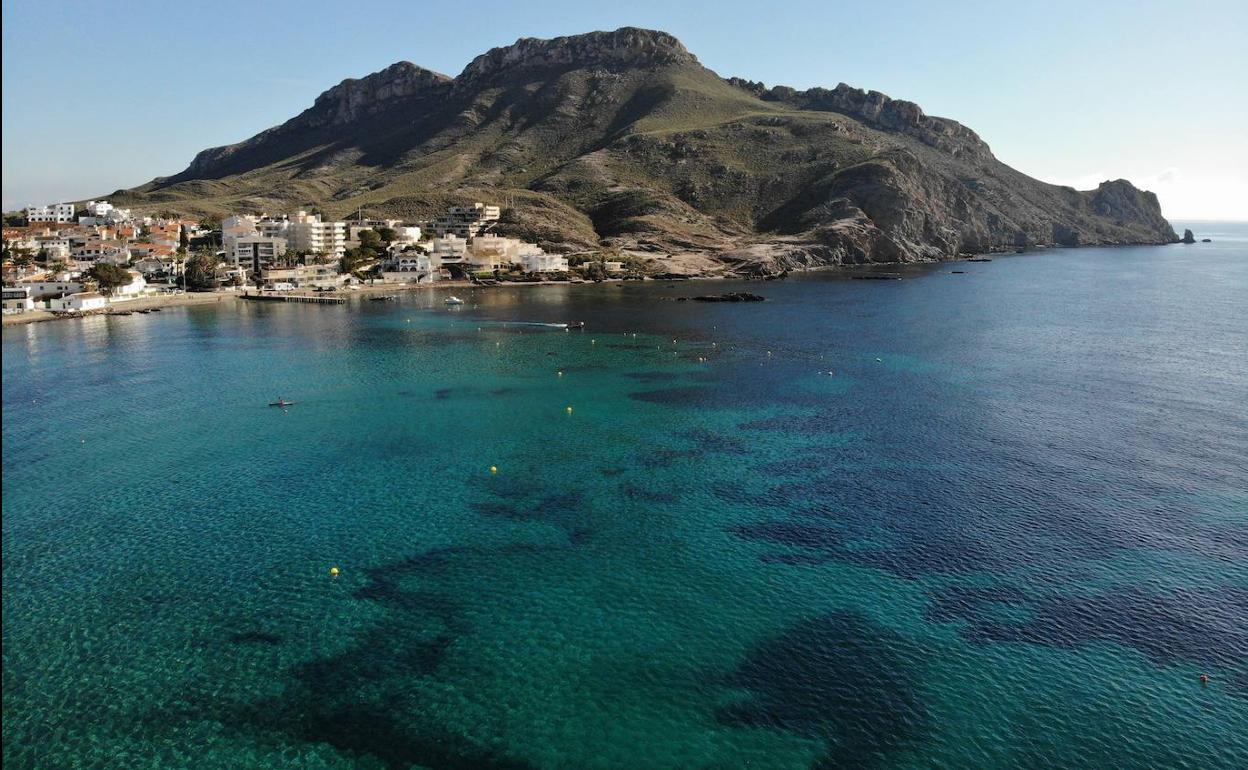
(275, 296)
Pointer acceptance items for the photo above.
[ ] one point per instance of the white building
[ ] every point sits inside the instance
(57, 212)
(237, 226)
(80, 302)
(103, 213)
(56, 249)
(17, 299)
(448, 250)
(136, 288)
(273, 228)
(40, 290)
(492, 252)
(541, 262)
(308, 233)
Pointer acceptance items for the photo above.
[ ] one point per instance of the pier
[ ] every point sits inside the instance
(290, 297)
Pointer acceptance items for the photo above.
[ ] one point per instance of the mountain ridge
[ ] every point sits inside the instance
(624, 140)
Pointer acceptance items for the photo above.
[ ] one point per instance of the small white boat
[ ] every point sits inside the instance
(454, 301)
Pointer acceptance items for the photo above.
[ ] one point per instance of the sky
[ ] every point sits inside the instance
(100, 97)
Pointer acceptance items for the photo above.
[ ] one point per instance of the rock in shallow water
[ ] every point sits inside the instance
(735, 296)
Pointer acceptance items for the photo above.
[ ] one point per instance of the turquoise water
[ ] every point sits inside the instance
(1009, 531)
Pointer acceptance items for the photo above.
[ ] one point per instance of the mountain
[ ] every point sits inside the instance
(623, 139)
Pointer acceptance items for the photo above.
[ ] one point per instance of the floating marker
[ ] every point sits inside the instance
(333, 572)
(879, 360)
(560, 372)
(493, 469)
(569, 410)
(593, 342)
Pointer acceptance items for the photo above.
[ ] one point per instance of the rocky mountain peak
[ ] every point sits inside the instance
(353, 97)
(624, 47)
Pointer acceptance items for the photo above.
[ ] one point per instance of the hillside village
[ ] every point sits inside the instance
(73, 259)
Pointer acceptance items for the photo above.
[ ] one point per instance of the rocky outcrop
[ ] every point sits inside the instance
(352, 100)
(628, 47)
(1188, 237)
(878, 111)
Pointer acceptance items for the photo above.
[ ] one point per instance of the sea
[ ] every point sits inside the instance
(990, 515)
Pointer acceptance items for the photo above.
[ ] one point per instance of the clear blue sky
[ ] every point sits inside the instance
(101, 96)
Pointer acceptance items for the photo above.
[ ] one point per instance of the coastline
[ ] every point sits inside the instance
(143, 303)
(204, 298)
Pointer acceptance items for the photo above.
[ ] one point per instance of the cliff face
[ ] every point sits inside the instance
(622, 139)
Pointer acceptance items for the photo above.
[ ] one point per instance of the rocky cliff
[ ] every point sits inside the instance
(624, 140)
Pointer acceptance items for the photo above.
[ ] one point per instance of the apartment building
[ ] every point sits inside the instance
(301, 276)
(541, 262)
(307, 232)
(465, 221)
(57, 212)
(448, 250)
(254, 252)
(493, 252)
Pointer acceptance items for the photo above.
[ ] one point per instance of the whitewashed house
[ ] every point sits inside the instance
(78, 303)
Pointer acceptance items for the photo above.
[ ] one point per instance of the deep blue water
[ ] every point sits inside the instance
(1009, 530)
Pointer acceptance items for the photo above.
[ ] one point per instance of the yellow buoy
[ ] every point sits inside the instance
(569, 410)
(333, 572)
(493, 469)
(560, 373)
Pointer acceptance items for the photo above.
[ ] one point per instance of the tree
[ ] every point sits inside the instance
(184, 239)
(387, 234)
(352, 259)
(369, 239)
(201, 270)
(595, 271)
(108, 276)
